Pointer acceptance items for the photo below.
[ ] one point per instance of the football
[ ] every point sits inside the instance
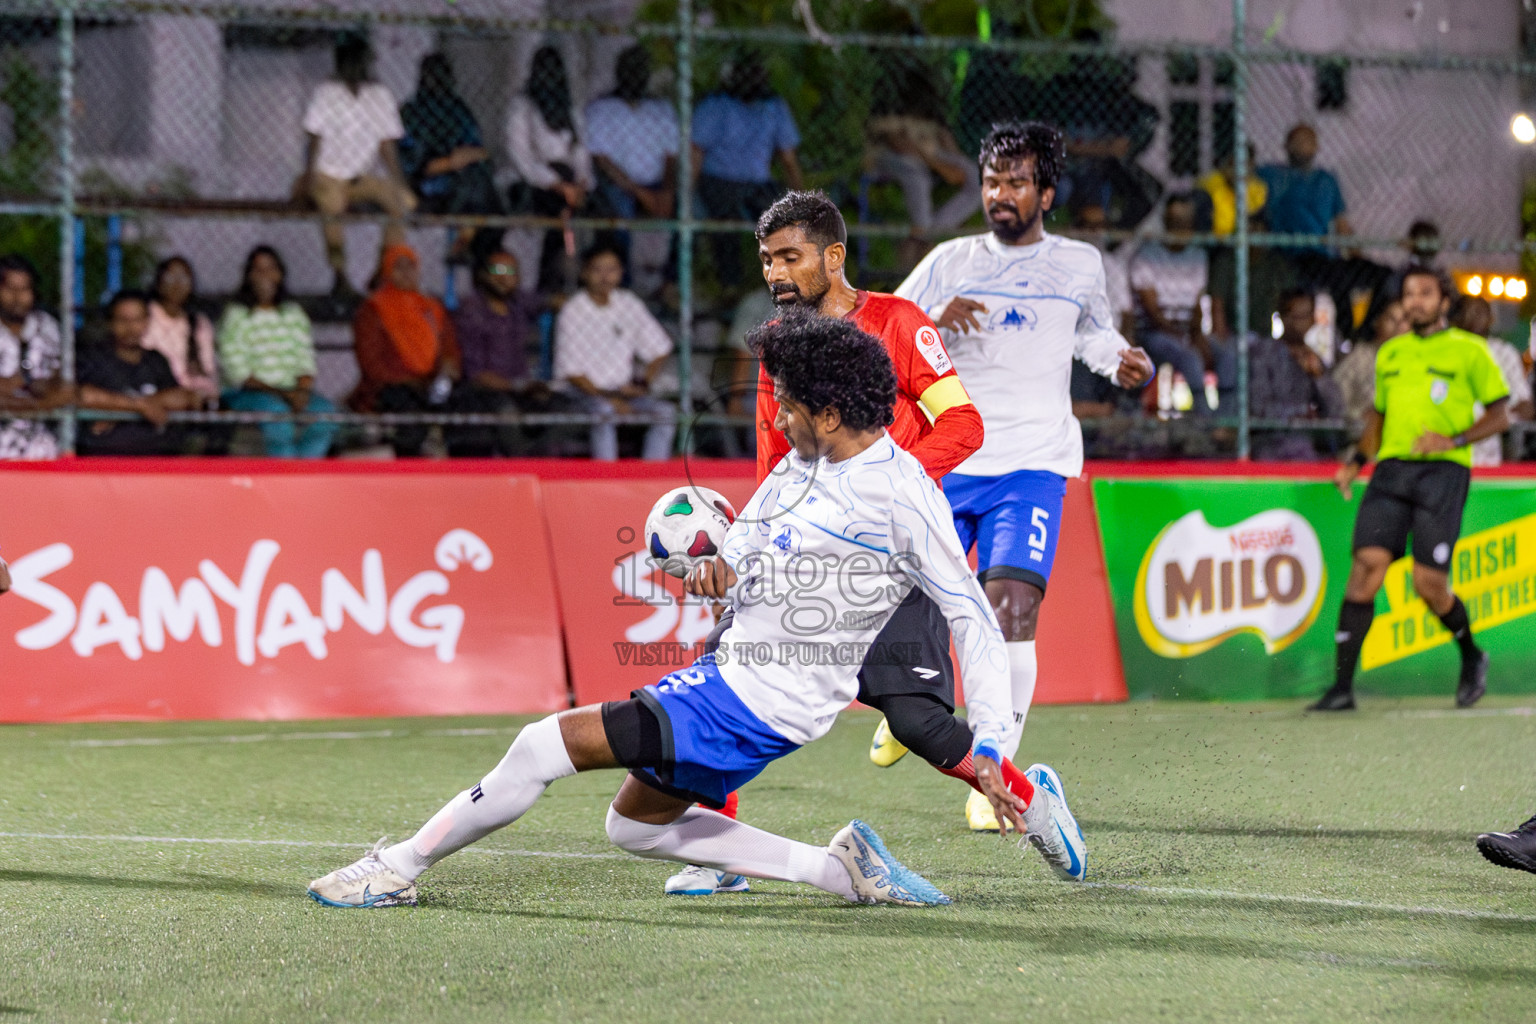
(686, 524)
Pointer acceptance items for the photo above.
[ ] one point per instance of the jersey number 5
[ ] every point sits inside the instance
(1037, 534)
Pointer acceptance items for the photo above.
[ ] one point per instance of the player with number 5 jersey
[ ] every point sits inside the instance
(1015, 307)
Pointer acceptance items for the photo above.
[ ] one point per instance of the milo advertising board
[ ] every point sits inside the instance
(1229, 589)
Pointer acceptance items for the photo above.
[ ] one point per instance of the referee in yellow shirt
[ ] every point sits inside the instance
(1421, 431)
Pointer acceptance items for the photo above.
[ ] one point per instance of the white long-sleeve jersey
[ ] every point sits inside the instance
(824, 553)
(1045, 304)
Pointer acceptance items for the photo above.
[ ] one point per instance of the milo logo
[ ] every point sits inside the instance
(1200, 584)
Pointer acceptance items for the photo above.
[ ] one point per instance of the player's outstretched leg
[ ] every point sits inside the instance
(1515, 849)
(386, 876)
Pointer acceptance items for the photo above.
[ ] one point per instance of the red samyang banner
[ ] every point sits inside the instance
(275, 596)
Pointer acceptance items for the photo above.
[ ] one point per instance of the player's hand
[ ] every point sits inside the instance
(711, 577)
(1008, 807)
(718, 610)
(5, 576)
(1429, 443)
(960, 315)
(1344, 479)
(1135, 369)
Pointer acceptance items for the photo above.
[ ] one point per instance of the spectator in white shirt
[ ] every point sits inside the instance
(633, 139)
(352, 124)
(31, 354)
(1168, 280)
(600, 334)
(553, 167)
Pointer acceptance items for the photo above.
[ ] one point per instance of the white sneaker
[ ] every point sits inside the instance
(878, 877)
(366, 882)
(698, 881)
(1052, 828)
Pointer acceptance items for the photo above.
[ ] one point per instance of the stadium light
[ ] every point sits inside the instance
(1523, 129)
(1474, 285)
(1495, 286)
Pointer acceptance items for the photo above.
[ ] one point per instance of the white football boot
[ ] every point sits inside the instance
(877, 876)
(365, 883)
(1052, 828)
(694, 880)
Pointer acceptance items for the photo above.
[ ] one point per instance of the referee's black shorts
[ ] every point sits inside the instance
(1422, 498)
(910, 654)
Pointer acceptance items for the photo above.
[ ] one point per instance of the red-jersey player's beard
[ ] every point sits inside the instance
(789, 293)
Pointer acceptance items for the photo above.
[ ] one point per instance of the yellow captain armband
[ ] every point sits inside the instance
(942, 396)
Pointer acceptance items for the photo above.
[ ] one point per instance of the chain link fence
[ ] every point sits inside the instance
(579, 196)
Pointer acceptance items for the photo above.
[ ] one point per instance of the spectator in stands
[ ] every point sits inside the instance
(1220, 189)
(1287, 381)
(443, 153)
(1356, 372)
(30, 357)
(180, 333)
(633, 138)
(1474, 314)
(601, 332)
(352, 124)
(407, 351)
(738, 130)
(1168, 279)
(123, 376)
(494, 324)
(553, 166)
(1304, 199)
(268, 356)
(908, 141)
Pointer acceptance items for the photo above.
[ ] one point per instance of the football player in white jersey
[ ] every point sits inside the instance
(863, 517)
(1016, 305)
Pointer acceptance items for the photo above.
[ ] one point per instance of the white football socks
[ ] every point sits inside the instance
(536, 758)
(715, 841)
(1022, 670)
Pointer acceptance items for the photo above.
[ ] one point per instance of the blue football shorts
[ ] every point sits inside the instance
(711, 743)
(1013, 520)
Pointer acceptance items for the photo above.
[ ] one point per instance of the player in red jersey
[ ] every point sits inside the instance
(803, 245)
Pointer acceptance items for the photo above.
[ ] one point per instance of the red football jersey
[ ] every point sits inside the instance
(920, 359)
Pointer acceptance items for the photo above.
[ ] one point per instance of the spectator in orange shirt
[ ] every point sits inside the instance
(406, 349)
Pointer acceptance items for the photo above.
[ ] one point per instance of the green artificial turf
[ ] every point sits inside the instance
(1248, 863)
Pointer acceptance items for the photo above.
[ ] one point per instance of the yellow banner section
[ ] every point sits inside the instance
(1494, 573)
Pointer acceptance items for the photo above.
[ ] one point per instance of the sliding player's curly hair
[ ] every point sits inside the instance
(1015, 140)
(825, 362)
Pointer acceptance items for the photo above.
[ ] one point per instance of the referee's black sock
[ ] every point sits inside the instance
(1456, 622)
(1354, 622)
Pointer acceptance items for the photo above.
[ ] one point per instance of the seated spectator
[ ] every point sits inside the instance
(493, 324)
(1169, 279)
(737, 132)
(1474, 315)
(30, 354)
(1287, 381)
(352, 124)
(907, 140)
(443, 153)
(1220, 188)
(123, 376)
(268, 355)
(1305, 199)
(633, 138)
(553, 167)
(408, 354)
(1356, 372)
(178, 332)
(601, 331)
